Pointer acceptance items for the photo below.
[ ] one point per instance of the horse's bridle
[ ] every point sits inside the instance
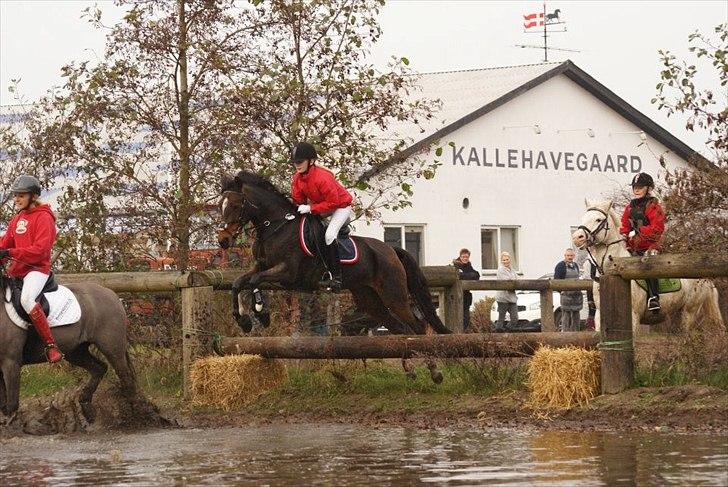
(591, 240)
(242, 221)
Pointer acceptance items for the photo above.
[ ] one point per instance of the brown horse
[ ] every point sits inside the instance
(381, 282)
(103, 324)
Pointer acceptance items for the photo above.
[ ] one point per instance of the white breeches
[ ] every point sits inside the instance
(33, 284)
(338, 219)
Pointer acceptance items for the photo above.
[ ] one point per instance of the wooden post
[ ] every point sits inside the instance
(454, 306)
(616, 323)
(196, 318)
(547, 311)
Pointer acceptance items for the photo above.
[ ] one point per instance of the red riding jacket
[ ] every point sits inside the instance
(319, 188)
(646, 217)
(30, 238)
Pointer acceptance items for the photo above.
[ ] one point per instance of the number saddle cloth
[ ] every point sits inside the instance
(58, 302)
(311, 237)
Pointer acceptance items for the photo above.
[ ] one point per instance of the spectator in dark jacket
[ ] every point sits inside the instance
(571, 301)
(467, 273)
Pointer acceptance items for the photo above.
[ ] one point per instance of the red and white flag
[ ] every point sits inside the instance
(533, 20)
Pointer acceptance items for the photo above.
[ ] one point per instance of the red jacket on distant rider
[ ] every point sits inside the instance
(645, 217)
(29, 240)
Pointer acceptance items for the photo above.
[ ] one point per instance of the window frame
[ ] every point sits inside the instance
(403, 227)
(516, 251)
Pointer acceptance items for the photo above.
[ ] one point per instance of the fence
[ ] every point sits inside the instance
(196, 288)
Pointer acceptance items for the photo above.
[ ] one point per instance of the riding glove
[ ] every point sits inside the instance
(632, 234)
(303, 209)
(4, 253)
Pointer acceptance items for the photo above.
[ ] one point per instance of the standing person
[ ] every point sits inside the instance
(586, 272)
(28, 243)
(643, 223)
(571, 301)
(507, 300)
(315, 190)
(466, 273)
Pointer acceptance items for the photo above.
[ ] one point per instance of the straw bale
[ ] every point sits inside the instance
(232, 381)
(562, 378)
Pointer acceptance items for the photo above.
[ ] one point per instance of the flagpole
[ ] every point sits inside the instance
(545, 36)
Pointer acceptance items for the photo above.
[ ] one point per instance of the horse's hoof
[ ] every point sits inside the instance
(436, 376)
(245, 322)
(411, 374)
(264, 319)
(88, 411)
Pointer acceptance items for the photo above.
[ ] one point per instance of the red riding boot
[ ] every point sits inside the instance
(53, 354)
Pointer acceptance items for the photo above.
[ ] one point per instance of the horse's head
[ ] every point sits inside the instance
(595, 224)
(235, 210)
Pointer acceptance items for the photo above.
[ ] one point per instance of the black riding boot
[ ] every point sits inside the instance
(332, 282)
(653, 295)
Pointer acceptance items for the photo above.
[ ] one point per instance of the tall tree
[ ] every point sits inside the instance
(189, 89)
(697, 200)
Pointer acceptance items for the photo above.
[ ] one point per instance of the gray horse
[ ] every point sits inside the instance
(103, 324)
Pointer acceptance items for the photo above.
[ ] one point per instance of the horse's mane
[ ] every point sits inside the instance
(252, 179)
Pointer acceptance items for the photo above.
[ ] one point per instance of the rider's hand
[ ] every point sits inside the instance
(303, 209)
(632, 234)
(4, 253)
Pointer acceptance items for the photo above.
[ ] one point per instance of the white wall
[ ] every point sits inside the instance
(545, 203)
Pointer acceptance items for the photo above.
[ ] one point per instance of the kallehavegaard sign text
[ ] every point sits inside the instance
(545, 160)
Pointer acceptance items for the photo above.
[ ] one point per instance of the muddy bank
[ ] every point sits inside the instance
(690, 408)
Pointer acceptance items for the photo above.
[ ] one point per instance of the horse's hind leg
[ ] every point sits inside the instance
(10, 372)
(83, 358)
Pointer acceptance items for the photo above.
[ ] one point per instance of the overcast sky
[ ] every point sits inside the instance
(618, 41)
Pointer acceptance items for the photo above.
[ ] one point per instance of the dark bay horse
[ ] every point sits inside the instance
(103, 324)
(381, 282)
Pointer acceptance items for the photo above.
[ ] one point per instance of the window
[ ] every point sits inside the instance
(411, 235)
(493, 241)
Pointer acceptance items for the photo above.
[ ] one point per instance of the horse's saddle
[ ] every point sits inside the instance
(666, 285)
(58, 302)
(311, 237)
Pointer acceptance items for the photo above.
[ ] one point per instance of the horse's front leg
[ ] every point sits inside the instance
(275, 274)
(11, 379)
(242, 282)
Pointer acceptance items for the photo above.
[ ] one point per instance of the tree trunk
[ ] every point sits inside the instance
(185, 201)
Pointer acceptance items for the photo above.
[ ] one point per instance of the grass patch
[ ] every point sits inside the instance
(678, 375)
(43, 379)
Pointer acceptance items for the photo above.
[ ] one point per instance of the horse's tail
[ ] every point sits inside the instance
(417, 286)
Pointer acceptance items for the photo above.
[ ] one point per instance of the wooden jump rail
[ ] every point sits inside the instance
(405, 346)
(615, 293)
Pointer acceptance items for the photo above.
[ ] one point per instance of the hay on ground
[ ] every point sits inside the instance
(562, 378)
(233, 381)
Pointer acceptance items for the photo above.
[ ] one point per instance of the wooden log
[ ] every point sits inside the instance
(140, 282)
(196, 324)
(405, 346)
(528, 285)
(616, 327)
(454, 307)
(685, 266)
(547, 311)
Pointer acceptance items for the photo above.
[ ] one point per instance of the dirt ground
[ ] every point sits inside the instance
(680, 408)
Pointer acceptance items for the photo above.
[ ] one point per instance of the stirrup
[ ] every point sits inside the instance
(653, 304)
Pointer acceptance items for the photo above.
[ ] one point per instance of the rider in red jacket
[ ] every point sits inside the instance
(643, 223)
(316, 190)
(27, 243)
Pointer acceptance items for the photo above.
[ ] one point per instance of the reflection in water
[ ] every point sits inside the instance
(355, 455)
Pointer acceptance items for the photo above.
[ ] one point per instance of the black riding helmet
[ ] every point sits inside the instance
(643, 179)
(26, 184)
(301, 152)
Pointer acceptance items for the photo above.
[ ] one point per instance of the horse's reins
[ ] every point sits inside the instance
(590, 240)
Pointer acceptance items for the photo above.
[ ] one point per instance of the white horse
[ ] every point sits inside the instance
(697, 300)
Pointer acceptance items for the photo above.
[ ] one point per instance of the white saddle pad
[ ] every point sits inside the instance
(63, 308)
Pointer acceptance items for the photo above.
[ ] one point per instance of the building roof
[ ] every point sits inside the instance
(468, 95)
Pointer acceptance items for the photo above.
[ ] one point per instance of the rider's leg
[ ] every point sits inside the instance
(338, 219)
(33, 284)
(653, 295)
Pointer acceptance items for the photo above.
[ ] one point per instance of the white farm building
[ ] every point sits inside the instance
(522, 148)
